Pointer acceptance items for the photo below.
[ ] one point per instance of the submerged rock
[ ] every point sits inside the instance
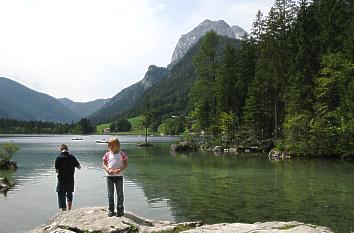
(95, 220)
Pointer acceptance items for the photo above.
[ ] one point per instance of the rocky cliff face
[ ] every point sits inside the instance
(189, 39)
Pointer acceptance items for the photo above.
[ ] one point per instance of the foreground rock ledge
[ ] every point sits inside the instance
(95, 220)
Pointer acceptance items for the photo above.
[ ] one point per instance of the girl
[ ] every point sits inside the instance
(114, 162)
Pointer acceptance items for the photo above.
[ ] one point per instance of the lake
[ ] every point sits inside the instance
(181, 187)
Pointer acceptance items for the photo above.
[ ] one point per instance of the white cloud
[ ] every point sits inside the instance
(86, 49)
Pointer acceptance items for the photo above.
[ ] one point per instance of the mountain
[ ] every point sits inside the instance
(171, 96)
(191, 38)
(128, 96)
(83, 109)
(23, 103)
(239, 32)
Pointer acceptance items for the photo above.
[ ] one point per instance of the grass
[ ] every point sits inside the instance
(100, 128)
(137, 128)
(137, 123)
(177, 229)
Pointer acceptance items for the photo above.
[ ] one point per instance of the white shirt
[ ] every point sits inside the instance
(115, 161)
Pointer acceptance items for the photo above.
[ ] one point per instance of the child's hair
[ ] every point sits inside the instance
(113, 141)
(64, 147)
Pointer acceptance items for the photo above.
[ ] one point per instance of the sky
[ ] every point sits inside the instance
(89, 49)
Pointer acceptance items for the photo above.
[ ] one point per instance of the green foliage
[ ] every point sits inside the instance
(334, 107)
(12, 126)
(100, 128)
(137, 122)
(121, 125)
(83, 126)
(7, 151)
(173, 126)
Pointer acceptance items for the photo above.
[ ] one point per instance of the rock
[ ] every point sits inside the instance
(8, 165)
(184, 146)
(144, 144)
(275, 154)
(267, 227)
(5, 184)
(95, 219)
(191, 38)
(218, 149)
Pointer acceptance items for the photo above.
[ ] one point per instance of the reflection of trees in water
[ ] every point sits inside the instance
(246, 188)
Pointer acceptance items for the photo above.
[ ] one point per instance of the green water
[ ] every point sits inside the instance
(183, 187)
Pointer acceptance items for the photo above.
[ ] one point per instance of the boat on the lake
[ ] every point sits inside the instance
(102, 141)
(77, 139)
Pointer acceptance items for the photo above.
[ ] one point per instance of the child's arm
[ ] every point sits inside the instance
(105, 165)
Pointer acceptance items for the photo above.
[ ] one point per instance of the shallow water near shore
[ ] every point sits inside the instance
(181, 187)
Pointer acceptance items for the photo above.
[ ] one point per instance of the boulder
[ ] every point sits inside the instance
(184, 146)
(218, 149)
(267, 227)
(8, 165)
(95, 219)
(4, 184)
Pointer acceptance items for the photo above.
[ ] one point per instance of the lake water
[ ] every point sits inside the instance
(182, 187)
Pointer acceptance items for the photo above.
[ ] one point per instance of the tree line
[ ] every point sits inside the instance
(13, 126)
(290, 82)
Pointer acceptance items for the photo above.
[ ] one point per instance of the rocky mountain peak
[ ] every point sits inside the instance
(189, 39)
(153, 75)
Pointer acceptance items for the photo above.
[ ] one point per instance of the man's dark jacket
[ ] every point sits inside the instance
(65, 164)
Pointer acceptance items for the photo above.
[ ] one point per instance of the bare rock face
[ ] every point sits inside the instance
(95, 220)
(191, 38)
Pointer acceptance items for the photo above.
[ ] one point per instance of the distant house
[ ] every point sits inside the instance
(107, 130)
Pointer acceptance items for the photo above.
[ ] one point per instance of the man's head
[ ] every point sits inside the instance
(64, 147)
(114, 145)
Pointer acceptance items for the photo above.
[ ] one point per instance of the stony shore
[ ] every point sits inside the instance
(95, 220)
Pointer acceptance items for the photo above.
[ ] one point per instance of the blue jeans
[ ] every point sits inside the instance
(118, 182)
(63, 197)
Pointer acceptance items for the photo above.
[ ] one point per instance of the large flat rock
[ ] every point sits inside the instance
(95, 220)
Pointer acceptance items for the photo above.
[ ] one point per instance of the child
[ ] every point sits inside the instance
(65, 165)
(114, 162)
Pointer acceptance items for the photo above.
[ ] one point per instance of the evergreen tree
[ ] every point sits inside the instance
(204, 91)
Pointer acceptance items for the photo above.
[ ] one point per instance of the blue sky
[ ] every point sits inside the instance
(88, 49)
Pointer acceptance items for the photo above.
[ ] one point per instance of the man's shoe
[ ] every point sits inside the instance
(119, 213)
(110, 214)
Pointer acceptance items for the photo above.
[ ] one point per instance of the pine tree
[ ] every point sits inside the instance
(204, 91)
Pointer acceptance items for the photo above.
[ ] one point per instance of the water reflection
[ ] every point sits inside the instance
(184, 187)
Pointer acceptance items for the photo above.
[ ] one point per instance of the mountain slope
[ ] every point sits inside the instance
(128, 96)
(192, 37)
(83, 109)
(20, 102)
(171, 95)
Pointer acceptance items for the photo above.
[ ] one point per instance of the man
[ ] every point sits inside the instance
(65, 165)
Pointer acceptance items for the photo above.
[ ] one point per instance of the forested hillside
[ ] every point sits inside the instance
(290, 82)
(171, 97)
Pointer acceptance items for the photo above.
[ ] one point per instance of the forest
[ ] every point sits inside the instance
(291, 81)
(13, 126)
